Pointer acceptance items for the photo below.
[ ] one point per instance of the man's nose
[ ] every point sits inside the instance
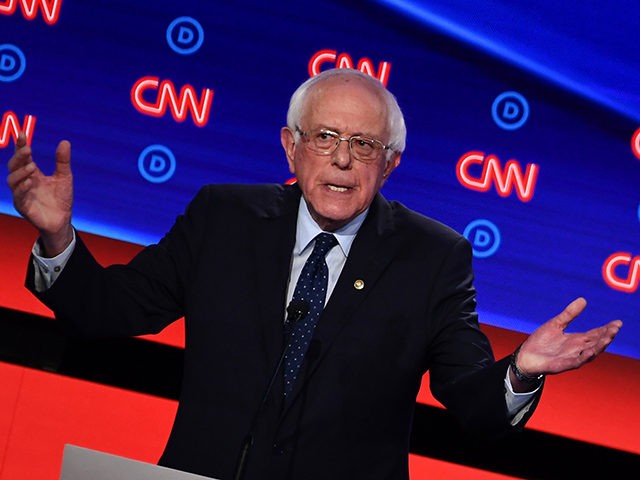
(342, 155)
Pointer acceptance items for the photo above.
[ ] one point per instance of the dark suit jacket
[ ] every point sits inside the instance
(224, 266)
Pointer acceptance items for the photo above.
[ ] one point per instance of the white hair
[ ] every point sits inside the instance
(395, 119)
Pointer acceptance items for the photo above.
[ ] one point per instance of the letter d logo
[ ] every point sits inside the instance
(510, 110)
(157, 163)
(12, 63)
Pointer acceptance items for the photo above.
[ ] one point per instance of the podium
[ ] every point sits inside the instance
(79, 463)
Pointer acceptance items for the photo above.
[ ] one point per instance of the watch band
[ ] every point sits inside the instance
(520, 375)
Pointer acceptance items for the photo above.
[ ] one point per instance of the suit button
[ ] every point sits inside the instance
(279, 449)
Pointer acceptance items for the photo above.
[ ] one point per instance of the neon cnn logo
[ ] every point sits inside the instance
(10, 125)
(344, 60)
(50, 9)
(181, 105)
(505, 179)
(619, 261)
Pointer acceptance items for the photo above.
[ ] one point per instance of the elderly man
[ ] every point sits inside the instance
(377, 295)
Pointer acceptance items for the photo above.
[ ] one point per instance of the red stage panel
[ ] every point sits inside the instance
(40, 412)
(422, 468)
(11, 379)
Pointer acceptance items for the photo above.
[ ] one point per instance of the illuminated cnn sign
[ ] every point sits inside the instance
(491, 172)
(10, 127)
(332, 59)
(618, 263)
(50, 9)
(165, 96)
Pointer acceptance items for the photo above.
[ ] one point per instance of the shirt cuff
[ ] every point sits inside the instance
(47, 270)
(518, 404)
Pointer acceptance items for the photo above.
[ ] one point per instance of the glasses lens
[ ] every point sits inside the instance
(322, 141)
(364, 148)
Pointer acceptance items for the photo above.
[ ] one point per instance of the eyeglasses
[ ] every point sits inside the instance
(325, 142)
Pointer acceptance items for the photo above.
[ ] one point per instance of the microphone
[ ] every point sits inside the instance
(296, 311)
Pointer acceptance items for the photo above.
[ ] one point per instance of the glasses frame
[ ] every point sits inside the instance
(339, 139)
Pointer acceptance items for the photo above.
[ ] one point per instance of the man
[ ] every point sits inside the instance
(399, 301)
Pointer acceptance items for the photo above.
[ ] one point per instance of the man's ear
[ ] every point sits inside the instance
(391, 165)
(287, 139)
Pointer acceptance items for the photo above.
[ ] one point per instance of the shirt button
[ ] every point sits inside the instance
(56, 269)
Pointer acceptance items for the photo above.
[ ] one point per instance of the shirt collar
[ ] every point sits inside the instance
(307, 229)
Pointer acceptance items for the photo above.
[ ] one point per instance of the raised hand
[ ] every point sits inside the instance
(45, 201)
(549, 350)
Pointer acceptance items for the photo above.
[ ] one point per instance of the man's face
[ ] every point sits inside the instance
(338, 187)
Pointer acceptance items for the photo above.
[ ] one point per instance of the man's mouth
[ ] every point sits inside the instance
(336, 188)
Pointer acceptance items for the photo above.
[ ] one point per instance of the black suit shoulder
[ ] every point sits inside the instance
(421, 228)
(258, 199)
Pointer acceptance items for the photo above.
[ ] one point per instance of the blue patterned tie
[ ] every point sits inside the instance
(312, 288)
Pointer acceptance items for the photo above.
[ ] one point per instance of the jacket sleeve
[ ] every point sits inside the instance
(464, 375)
(141, 297)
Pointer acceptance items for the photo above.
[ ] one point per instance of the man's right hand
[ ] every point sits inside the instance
(45, 201)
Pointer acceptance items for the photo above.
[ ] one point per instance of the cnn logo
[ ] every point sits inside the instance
(164, 96)
(343, 60)
(477, 171)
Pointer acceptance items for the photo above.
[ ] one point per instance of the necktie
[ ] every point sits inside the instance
(312, 288)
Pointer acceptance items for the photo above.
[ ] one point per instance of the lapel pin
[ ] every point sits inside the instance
(358, 284)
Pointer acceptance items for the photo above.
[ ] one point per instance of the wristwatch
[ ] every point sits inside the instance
(520, 375)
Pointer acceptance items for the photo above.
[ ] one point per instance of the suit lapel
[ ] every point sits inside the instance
(274, 235)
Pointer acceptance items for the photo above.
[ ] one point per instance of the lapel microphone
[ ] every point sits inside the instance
(296, 311)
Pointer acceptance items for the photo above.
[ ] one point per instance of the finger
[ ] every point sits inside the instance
(63, 158)
(20, 175)
(20, 158)
(609, 332)
(589, 353)
(604, 333)
(21, 141)
(615, 324)
(570, 312)
(595, 341)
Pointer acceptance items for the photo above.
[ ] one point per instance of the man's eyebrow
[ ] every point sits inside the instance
(352, 134)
